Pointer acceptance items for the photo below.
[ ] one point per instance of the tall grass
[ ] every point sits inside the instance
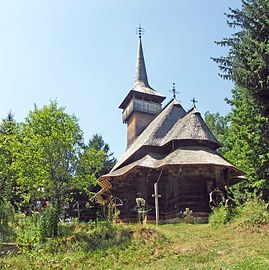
(254, 212)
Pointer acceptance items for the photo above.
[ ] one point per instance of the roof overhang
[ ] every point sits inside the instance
(155, 97)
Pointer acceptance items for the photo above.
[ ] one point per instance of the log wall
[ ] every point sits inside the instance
(180, 188)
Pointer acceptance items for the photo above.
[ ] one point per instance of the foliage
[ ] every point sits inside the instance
(8, 138)
(95, 161)
(90, 166)
(44, 159)
(219, 125)
(254, 212)
(48, 223)
(248, 56)
(26, 229)
(48, 154)
(6, 215)
(97, 143)
(244, 134)
(249, 136)
(221, 216)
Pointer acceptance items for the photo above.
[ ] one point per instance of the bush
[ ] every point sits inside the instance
(48, 223)
(222, 215)
(26, 229)
(6, 215)
(253, 213)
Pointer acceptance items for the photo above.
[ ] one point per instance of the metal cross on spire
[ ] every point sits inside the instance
(193, 100)
(140, 31)
(174, 91)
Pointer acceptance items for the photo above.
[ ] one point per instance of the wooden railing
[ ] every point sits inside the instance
(141, 106)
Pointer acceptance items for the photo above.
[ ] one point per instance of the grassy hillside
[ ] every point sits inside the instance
(181, 246)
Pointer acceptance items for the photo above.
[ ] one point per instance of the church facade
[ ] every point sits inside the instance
(167, 147)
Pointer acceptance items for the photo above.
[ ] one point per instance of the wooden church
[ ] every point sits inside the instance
(168, 146)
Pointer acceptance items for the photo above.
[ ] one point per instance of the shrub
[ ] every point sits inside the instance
(48, 223)
(26, 229)
(6, 215)
(253, 213)
(222, 215)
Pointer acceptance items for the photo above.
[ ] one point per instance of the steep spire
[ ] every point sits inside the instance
(141, 88)
(141, 77)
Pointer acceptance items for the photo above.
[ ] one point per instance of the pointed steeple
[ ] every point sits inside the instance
(141, 77)
(141, 87)
(142, 103)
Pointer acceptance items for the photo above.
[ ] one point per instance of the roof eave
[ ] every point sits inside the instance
(156, 98)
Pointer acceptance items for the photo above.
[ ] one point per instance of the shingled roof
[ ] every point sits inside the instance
(191, 127)
(185, 155)
(155, 132)
(172, 124)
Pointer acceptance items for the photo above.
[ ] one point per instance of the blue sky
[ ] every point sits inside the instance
(82, 53)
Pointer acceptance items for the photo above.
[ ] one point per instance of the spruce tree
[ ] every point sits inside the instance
(247, 62)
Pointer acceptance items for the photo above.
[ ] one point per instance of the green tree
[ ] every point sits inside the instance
(50, 145)
(219, 125)
(249, 137)
(90, 166)
(247, 62)
(97, 142)
(8, 138)
(247, 65)
(244, 134)
(95, 161)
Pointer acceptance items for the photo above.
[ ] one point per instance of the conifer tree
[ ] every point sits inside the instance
(9, 130)
(97, 142)
(8, 138)
(247, 62)
(244, 134)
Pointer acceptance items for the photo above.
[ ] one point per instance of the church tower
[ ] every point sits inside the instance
(142, 103)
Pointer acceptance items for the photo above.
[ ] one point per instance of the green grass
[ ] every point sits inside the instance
(181, 246)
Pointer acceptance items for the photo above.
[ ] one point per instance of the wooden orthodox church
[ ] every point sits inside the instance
(168, 146)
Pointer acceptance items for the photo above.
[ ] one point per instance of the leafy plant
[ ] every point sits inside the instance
(6, 215)
(222, 215)
(253, 213)
(48, 224)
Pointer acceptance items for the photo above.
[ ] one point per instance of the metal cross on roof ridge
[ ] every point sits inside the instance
(174, 91)
(193, 100)
(140, 31)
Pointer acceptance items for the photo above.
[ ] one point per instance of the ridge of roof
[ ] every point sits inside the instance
(155, 131)
(172, 123)
(191, 127)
